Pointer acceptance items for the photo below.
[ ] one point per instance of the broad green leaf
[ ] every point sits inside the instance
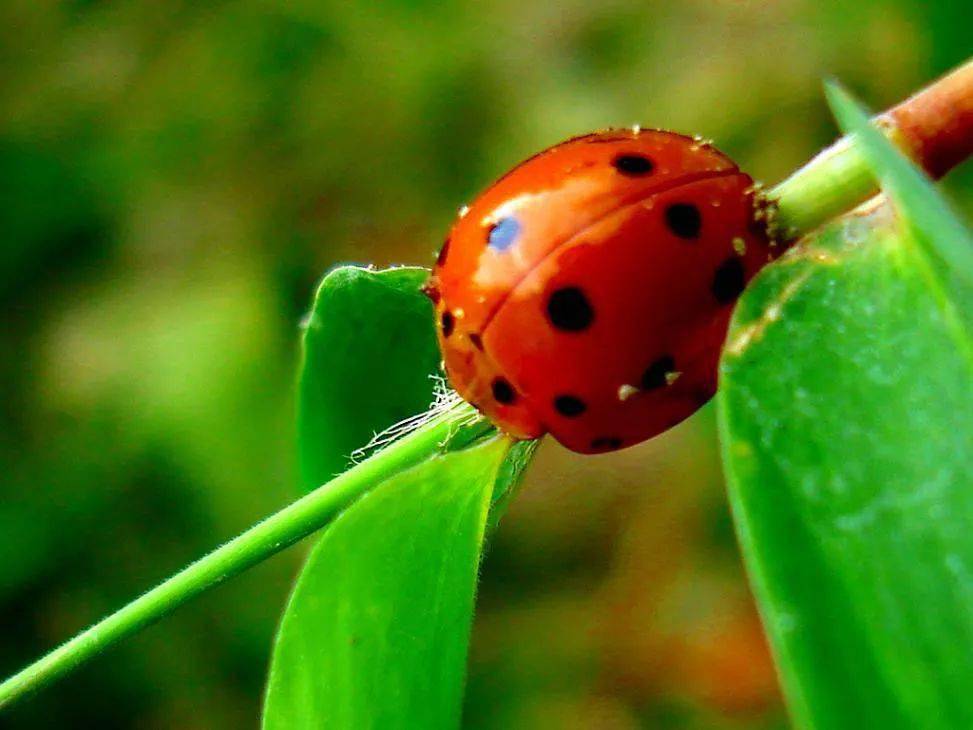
(376, 631)
(846, 416)
(369, 352)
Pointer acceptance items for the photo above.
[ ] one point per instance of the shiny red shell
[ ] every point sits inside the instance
(587, 292)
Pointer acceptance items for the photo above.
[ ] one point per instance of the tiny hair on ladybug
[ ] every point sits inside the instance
(587, 292)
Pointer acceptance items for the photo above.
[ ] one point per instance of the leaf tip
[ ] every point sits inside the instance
(850, 114)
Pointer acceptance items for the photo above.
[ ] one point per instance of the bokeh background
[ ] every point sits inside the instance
(174, 178)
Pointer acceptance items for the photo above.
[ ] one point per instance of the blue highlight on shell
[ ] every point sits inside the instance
(503, 234)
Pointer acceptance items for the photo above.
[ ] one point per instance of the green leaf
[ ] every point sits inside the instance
(376, 631)
(508, 480)
(369, 352)
(845, 417)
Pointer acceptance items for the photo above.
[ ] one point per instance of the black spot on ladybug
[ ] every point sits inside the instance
(443, 253)
(655, 374)
(447, 322)
(633, 165)
(684, 220)
(503, 391)
(606, 443)
(729, 280)
(503, 234)
(569, 309)
(569, 405)
(477, 341)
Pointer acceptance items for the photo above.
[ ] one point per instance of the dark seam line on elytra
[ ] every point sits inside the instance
(683, 181)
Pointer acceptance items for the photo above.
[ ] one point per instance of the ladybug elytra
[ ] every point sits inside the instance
(587, 293)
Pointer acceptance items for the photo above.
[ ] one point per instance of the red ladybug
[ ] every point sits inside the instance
(587, 292)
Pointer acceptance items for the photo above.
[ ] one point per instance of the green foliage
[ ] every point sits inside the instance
(508, 479)
(845, 415)
(376, 631)
(175, 177)
(369, 352)
(347, 299)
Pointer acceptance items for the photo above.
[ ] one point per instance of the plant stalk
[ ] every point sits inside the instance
(264, 539)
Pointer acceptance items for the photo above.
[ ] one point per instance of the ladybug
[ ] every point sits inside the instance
(587, 293)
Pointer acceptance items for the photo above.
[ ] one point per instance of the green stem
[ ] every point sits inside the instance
(832, 183)
(264, 539)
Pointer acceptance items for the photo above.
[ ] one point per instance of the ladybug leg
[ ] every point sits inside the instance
(431, 289)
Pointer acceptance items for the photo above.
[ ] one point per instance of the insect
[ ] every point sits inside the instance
(587, 292)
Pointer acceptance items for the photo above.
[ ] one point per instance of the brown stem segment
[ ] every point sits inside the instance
(936, 125)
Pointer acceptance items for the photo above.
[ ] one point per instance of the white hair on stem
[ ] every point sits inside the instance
(445, 399)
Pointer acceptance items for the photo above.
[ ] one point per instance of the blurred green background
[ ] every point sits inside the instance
(174, 178)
